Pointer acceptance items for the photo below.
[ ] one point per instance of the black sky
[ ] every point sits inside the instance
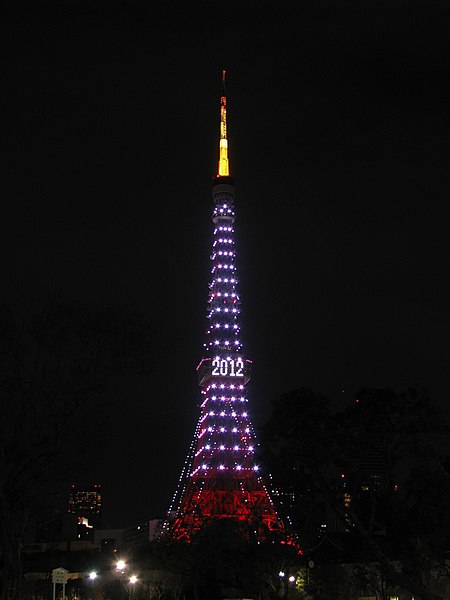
(339, 133)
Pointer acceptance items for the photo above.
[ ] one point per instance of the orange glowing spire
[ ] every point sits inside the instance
(223, 170)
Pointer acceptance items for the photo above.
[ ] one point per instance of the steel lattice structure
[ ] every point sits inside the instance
(220, 479)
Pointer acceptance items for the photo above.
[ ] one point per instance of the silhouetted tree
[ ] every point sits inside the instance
(55, 365)
(373, 464)
(226, 561)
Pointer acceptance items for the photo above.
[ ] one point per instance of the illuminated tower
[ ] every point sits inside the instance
(221, 479)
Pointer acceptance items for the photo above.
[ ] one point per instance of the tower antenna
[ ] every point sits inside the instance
(223, 168)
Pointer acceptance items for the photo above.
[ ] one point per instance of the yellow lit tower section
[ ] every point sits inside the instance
(221, 478)
(223, 169)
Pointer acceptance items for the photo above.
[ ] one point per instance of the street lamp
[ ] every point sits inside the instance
(286, 584)
(132, 582)
(121, 566)
(92, 575)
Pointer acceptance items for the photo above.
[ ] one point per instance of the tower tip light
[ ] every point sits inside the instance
(223, 169)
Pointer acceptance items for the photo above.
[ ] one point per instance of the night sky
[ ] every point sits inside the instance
(338, 122)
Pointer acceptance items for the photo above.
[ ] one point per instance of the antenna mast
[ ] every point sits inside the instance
(223, 170)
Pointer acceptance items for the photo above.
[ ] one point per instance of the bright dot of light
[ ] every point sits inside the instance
(292, 579)
(120, 565)
(281, 574)
(133, 579)
(92, 575)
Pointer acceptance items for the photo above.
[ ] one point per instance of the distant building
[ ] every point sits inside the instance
(141, 534)
(136, 536)
(85, 507)
(366, 478)
(109, 540)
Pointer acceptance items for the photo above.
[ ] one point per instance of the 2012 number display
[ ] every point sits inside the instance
(233, 367)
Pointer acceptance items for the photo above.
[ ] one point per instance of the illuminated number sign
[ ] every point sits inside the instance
(233, 367)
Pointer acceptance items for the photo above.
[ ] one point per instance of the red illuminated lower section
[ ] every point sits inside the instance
(208, 500)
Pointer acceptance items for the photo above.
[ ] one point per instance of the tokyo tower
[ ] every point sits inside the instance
(221, 479)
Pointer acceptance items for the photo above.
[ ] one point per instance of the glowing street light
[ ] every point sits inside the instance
(92, 575)
(121, 565)
(133, 579)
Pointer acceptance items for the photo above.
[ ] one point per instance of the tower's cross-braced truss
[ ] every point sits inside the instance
(221, 479)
